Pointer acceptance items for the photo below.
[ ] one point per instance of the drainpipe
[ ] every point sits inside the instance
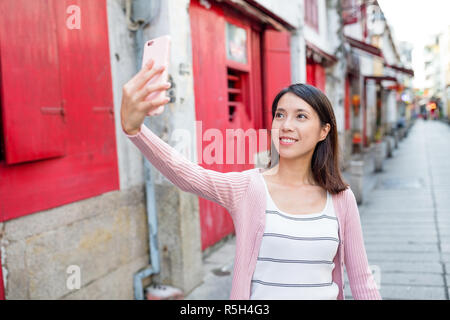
(138, 14)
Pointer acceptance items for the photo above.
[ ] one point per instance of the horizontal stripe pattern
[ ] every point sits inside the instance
(295, 261)
(293, 285)
(296, 254)
(300, 238)
(323, 216)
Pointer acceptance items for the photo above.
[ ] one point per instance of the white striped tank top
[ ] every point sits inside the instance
(295, 260)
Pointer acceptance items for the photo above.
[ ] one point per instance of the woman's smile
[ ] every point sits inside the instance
(287, 142)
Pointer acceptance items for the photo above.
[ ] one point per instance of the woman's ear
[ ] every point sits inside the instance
(324, 131)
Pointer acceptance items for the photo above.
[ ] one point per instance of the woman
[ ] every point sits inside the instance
(297, 222)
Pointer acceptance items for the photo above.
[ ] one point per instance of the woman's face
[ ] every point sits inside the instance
(294, 118)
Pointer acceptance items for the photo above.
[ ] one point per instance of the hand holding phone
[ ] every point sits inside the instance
(157, 49)
(134, 107)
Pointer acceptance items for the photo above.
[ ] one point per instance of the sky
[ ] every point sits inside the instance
(414, 21)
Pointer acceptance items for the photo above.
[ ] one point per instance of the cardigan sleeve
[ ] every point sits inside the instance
(362, 283)
(225, 189)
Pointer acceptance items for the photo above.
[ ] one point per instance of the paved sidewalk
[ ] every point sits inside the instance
(405, 216)
(218, 267)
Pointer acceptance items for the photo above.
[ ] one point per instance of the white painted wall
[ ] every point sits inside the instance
(335, 75)
(123, 67)
(298, 57)
(354, 30)
(371, 108)
(289, 10)
(173, 19)
(391, 107)
(319, 39)
(388, 50)
(366, 62)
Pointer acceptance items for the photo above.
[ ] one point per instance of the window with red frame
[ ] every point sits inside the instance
(311, 14)
(350, 11)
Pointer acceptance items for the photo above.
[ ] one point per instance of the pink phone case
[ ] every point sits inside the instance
(159, 50)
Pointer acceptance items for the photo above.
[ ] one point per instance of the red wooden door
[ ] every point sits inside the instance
(227, 98)
(277, 68)
(320, 77)
(315, 76)
(33, 121)
(47, 65)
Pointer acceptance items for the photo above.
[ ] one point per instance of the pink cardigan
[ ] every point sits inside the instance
(242, 194)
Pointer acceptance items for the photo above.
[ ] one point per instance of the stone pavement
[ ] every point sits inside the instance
(405, 216)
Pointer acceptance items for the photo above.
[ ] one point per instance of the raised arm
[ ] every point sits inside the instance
(226, 189)
(362, 283)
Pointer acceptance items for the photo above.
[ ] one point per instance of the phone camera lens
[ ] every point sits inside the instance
(150, 43)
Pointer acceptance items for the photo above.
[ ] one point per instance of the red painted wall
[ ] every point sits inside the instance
(277, 68)
(85, 162)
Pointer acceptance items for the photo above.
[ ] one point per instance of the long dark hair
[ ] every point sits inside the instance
(325, 159)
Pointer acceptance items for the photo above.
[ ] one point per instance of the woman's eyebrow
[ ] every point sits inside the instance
(300, 109)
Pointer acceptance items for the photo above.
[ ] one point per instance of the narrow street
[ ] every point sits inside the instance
(405, 219)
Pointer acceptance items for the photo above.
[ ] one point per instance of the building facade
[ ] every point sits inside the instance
(87, 197)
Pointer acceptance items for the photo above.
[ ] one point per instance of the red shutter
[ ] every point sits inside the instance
(89, 166)
(310, 74)
(320, 77)
(33, 119)
(277, 68)
(315, 76)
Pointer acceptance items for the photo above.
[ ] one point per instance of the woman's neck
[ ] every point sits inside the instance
(294, 172)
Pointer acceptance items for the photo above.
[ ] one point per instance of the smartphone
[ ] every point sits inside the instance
(157, 49)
